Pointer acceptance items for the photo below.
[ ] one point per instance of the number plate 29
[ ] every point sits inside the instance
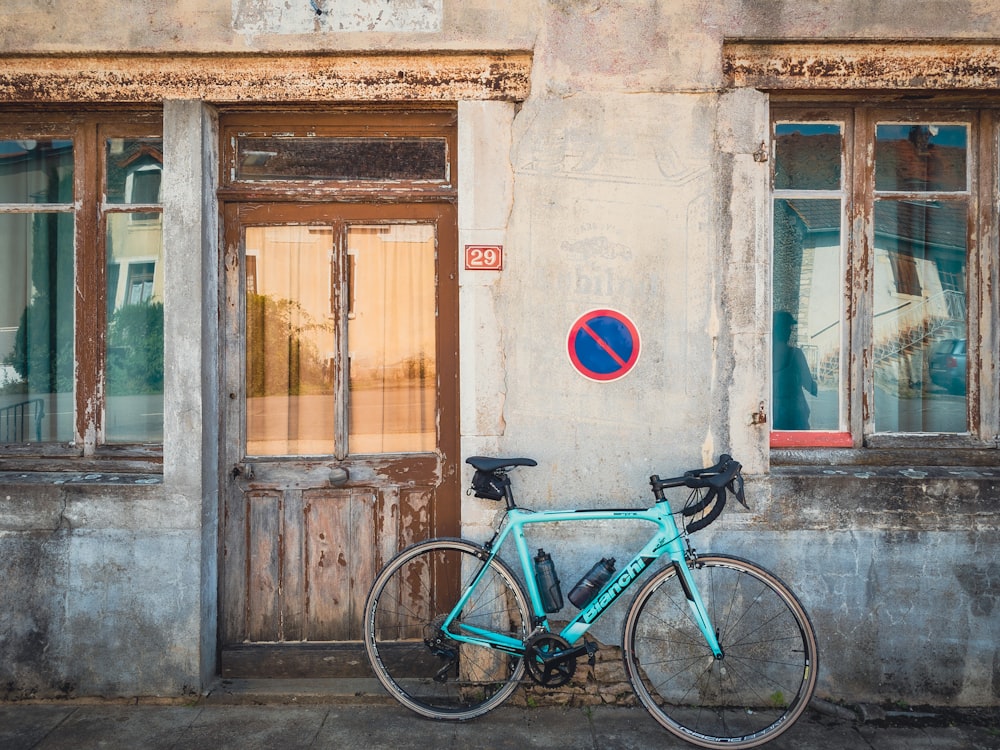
(484, 257)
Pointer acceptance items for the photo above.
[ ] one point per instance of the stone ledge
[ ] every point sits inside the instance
(225, 78)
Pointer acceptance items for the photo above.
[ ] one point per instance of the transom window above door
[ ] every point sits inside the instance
(374, 152)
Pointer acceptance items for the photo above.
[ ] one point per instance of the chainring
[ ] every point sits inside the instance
(553, 674)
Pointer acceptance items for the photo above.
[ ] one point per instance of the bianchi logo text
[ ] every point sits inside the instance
(621, 583)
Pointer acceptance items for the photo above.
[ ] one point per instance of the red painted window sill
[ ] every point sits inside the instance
(809, 439)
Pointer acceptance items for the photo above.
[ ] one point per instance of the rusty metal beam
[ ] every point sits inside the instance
(862, 65)
(421, 76)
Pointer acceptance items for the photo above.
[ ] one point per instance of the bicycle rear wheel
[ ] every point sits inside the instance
(767, 674)
(417, 662)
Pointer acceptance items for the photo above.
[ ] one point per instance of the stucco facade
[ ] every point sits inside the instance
(618, 153)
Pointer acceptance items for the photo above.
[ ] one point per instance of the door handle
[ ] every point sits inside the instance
(338, 476)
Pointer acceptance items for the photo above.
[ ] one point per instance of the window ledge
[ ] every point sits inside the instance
(889, 458)
(126, 463)
(46, 478)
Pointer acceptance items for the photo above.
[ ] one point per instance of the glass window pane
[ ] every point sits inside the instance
(322, 158)
(33, 171)
(920, 316)
(807, 326)
(807, 156)
(291, 341)
(133, 167)
(921, 157)
(391, 335)
(36, 327)
(134, 387)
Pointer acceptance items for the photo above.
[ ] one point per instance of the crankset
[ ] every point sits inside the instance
(550, 660)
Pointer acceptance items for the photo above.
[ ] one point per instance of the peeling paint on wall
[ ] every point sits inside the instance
(860, 65)
(261, 78)
(305, 16)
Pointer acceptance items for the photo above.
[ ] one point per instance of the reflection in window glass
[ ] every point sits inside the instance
(807, 329)
(921, 157)
(133, 168)
(391, 335)
(36, 327)
(920, 316)
(33, 171)
(134, 252)
(291, 339)
(134, 375)
(807, 156)
(36, 293)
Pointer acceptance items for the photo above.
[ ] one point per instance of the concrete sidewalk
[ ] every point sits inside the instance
(247, 715)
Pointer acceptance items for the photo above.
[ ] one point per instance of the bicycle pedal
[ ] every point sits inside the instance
(591, 650)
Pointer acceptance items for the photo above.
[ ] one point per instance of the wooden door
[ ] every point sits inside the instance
(340, 419)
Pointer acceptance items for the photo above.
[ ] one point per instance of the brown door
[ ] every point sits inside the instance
(340, 419)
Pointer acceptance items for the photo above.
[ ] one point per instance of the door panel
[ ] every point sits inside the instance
(340, 416)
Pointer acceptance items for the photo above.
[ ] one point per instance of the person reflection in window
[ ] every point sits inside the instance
(791, 377)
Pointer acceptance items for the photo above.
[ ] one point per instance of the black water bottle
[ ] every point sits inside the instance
(548, 583)
(588, 586)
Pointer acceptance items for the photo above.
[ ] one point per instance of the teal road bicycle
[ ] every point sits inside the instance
(718, 650)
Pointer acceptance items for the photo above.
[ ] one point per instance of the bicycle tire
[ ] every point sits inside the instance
(434, 676)
(767, 674)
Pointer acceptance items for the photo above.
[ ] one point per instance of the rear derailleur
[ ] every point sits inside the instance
(443, 647)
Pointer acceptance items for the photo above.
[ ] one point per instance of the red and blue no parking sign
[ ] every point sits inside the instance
(603, 345)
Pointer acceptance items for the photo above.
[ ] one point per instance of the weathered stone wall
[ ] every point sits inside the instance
(100, 595)
(621, 173)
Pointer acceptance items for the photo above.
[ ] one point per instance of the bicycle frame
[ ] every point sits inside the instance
(665, 542)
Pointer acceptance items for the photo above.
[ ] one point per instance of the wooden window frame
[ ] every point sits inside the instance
(88, 130)
(860, 116)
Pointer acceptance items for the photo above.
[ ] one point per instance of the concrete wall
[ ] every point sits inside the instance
(626, 179)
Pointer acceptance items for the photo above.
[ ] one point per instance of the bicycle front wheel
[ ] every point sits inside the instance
(419, 663)
(767, 674)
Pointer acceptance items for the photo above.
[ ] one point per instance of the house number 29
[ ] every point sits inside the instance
(483, 257)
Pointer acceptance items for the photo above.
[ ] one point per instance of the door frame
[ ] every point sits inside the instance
(359, 200)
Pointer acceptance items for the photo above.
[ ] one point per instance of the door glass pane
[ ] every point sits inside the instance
(391, 338)
(36, 327)
(807, 331)
(290, 340)
(134, 378)
(920, 316)
(921, 157)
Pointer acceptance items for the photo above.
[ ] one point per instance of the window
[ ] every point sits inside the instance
(81, 285)
(873, 265)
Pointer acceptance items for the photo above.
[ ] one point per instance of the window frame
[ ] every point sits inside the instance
(88, 130)
(860, 117)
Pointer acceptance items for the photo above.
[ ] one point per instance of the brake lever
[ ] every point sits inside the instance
(736, 487)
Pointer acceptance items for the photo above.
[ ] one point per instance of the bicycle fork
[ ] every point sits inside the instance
(698, 611)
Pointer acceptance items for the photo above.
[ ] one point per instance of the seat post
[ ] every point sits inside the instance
(508, 494)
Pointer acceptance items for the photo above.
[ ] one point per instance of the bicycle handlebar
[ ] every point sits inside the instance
(716, 479)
